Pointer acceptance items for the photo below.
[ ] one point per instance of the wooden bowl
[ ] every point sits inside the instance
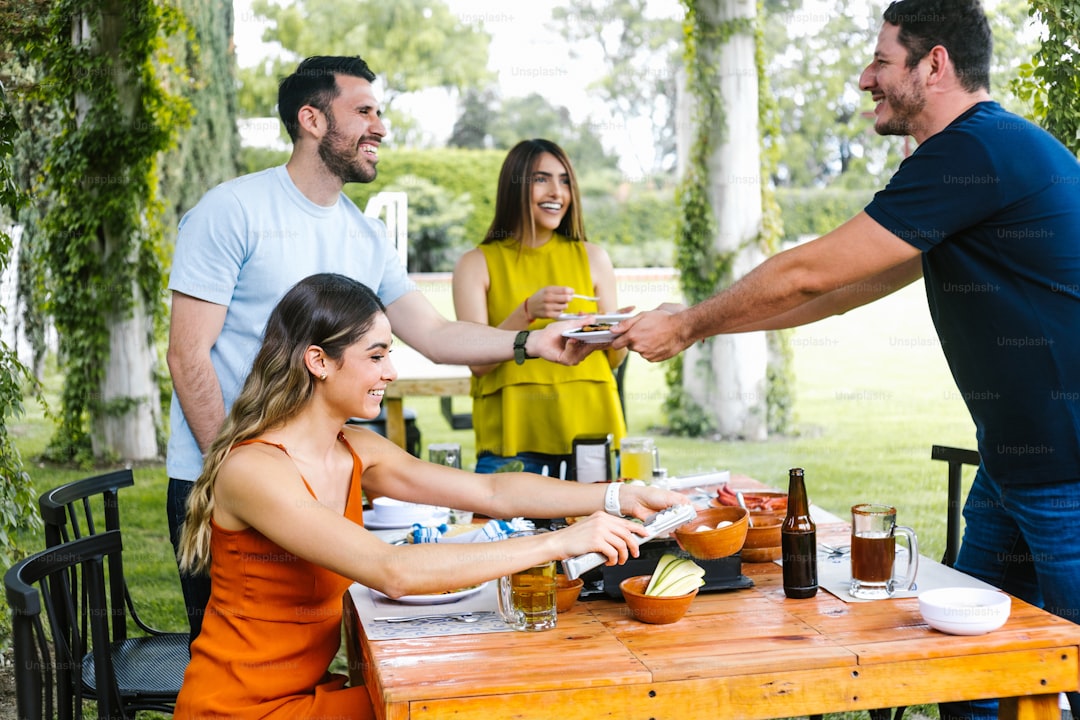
(762, 538)
(566, 592)
(656, 610)
(763, 531)
(712, 544)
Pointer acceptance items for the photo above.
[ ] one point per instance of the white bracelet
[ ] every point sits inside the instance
(611, 499)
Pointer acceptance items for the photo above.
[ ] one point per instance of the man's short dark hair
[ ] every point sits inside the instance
(960, 26)
(314, 83)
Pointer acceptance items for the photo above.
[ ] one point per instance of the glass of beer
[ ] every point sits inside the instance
(527, 597)
(873, 552)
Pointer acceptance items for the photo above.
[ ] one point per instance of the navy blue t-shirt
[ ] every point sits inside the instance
(993, 201)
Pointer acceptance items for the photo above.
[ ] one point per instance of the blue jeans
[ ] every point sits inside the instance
(1024, 539)
(534, 463)
(196, 588)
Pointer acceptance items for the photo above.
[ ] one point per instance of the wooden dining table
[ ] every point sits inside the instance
(418, 376)
(740, 654)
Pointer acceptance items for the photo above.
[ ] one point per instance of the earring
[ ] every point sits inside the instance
(323, 376)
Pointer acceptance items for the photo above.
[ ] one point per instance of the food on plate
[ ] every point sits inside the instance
(756, 502)
(596, 327)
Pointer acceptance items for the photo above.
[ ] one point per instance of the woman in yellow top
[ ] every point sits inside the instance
(527, 271)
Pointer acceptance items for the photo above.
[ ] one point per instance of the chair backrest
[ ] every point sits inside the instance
(70, 582)
(396, 205)
(956, 459)
(87, 507)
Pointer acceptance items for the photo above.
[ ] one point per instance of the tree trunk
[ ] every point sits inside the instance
(727, 374)
(125, 424)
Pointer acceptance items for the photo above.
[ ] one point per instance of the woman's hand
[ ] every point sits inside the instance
(548, 302)
(600, 532)
(643, 501)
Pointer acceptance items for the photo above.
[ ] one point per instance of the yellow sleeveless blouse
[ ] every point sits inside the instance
(541, 406)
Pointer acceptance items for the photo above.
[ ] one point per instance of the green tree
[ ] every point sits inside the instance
(410, 44)
(532, 116)
(642, 55)
(1051, 81)
(16, 490)
(102, 242)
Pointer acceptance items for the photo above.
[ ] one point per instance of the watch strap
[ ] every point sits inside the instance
(519, 347)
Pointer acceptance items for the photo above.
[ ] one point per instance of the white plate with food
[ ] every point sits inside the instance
(597, 333)
(432, 599)
(611, 318)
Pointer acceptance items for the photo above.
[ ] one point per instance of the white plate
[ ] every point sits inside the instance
(436, 599)
(594, 337)
(372, 523)
(600, 317)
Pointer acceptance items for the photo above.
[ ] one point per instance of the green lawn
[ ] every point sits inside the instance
(873, 394)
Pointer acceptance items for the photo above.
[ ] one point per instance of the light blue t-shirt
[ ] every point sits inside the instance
(244, 245)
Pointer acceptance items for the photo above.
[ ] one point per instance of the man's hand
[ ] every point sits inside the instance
(655, 335)
(549, 343)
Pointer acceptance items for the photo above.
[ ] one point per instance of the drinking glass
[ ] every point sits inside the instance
(449, 454)
(527, 597)
(873, 552)
(637, 458)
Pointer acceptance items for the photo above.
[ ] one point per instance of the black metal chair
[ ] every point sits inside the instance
(72, 658)
(956, 458)
(151, 663)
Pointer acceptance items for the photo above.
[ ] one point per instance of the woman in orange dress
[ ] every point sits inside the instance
(276, 516)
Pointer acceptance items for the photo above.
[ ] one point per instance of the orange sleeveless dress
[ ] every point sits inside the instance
(271, 629)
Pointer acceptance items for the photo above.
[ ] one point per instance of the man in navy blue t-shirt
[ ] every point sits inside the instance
(987, 212)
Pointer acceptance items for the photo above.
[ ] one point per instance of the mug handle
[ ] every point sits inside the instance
(908, 582)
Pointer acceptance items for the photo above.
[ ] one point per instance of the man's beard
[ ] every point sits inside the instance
(904, 106)
(340, 157)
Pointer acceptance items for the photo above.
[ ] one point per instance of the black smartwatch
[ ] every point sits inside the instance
(520, 355)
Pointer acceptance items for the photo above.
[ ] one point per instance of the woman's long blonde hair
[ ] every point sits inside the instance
(328, 310)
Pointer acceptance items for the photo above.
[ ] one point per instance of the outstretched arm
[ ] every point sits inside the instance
(854, 264)
(416, 321)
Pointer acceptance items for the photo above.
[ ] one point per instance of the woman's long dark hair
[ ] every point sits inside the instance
(513, 200)
(328, 310)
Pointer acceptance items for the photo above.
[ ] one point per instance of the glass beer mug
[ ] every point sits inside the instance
(527, 597)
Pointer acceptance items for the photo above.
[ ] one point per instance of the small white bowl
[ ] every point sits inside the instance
(964, 611)
(389, 511)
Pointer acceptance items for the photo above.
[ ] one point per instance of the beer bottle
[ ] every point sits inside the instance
(798, 541)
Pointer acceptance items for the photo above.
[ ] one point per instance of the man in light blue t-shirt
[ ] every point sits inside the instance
(249, 240)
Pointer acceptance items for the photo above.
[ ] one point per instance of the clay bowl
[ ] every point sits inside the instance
(762, 538)
(712, 544)
(653, 609)
(763, 531)
(566, 592)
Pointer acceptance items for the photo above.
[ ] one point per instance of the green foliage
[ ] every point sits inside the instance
(635, 229)
(642, 56)
(471, 173)
(1050, 83)
(436, 224)
(410, 44)
(102, 239)
(16, 496)
(816, 211)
